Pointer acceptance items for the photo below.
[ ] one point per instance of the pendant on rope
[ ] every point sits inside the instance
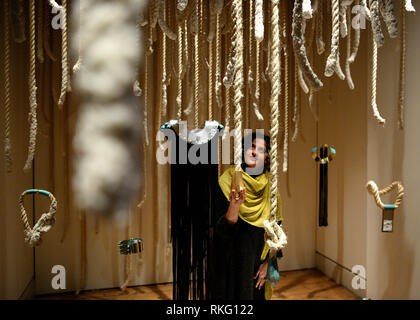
(44, 224)
(130, 246)
(387, 209)
(326, 155)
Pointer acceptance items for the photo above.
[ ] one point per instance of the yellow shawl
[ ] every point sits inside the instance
(256, 207)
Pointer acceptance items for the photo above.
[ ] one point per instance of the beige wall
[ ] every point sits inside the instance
(393, 263)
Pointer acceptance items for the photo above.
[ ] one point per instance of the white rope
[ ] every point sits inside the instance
(7, 126)
(32, 88)
(107, 132)
(376, 23)
(376, 113)
(296, 106)
(401, 93)
(259, 21)
(344, 4)
(145, 105)
(307, 9)
(348, 71)
(356, 41)
(333, 62)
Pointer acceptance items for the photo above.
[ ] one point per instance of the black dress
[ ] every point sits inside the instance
(236, 252)
(193, 186)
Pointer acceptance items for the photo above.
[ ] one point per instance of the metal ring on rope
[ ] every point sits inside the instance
(44, 224)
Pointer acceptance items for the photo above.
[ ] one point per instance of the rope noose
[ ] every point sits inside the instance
(374, 190)
(274, 235)
(333, 62)
(7, 92)
(32, 88)
(401, 93)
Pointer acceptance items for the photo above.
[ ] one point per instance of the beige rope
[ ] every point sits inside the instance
(218, 80)
(366, 9)
(32, 88)
(376, 113)
(403, 50)
(145, 105)
(299, 47)
(182, 4)
(348, 62)
(44, 224)
(286, 101)
(296, 106)
(180, 67)
(333, 61)
(196, 64)
(238, 80)
(250, 63)
(7, 126)
(274, 235)
(356, 41)
(210, 81)
(164, 102)
(373, 190)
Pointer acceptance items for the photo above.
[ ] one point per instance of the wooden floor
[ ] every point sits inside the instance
(308, 284)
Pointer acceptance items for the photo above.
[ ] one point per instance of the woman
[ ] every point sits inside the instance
(240, 253)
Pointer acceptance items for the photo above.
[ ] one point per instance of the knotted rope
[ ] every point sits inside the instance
(7, 126)
(45, 222)
(182, 4)
(32, 87)
(373, 190)
(274, 235)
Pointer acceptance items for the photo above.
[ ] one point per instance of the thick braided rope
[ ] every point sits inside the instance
(32, 88)
(403, 50)
(376, 23)
(286, 100)
(44, 224)
(64, 58)
(333, 61)
(299, 47)
(196, 64)
(376, 113)
(274, 235)
(349, 78)
(238, 81)
(180, 67)
(409, 6)
(7, 126)
(373, 190)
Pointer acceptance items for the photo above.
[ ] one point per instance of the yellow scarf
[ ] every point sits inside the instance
(256, 207)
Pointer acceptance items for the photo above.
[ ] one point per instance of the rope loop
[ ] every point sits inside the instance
(373, 190)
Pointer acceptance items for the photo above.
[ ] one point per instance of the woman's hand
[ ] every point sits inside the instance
(233, 211)
(261, 274)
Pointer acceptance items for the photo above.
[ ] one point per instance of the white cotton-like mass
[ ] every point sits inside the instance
(409, 6)
(107, 132)
(307, 9)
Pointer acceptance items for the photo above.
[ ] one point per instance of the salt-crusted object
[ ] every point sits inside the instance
(299, 48)
(107, 133)
(344, 4)
(307, 9)
(376, 23)
(259, 21)
(409, 6)
(386, 8)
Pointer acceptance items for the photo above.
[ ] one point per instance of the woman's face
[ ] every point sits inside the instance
(255, 156)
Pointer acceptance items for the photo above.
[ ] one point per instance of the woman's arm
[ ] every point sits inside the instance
(233, 211)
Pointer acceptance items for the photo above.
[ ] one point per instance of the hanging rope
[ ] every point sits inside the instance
(386, 7)
(401, 93)
(333, 61)
(196, 63)
(180, 67)
(218, 84)
(348, 62)
(45, 222)
(162, 21)
(274, 235)
(296, 106)
(307, 9)
(164, 102)
(376, 23)
(145, 105)
(356, 43)
(299, 47)
(373, 190)
(286, 98)
(7, 94)
(32, 88)
(376, 114)
(238, 80)
(210, 81)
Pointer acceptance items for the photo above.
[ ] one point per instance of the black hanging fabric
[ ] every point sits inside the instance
(323, 188)
(192, 210)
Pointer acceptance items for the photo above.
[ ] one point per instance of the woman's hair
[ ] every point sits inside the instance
(251, 137)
